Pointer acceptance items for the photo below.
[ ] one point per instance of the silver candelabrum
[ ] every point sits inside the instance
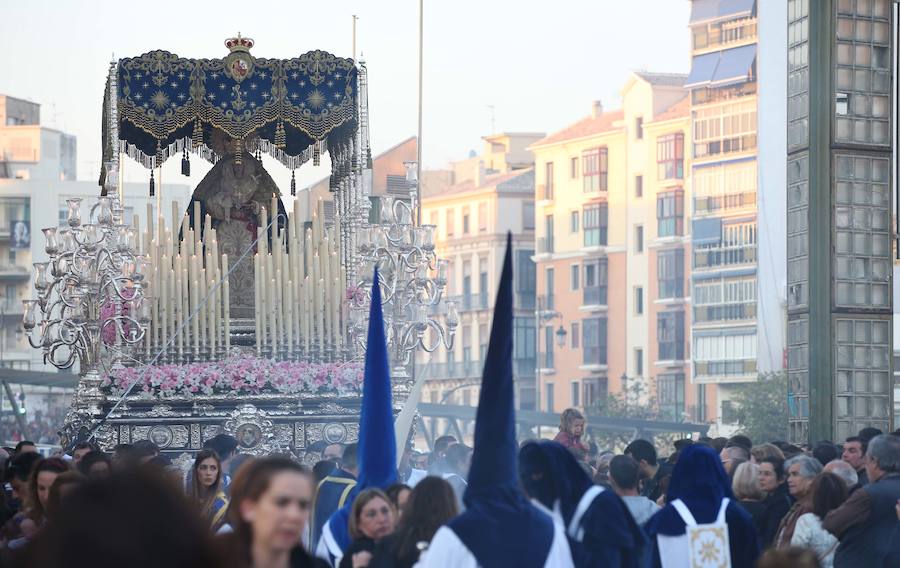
(91, 304)
(412, 280)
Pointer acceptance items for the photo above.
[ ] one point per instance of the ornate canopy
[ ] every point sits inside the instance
(292, 109)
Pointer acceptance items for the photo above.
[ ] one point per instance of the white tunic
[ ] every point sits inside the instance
(447, 550)
(701, 546)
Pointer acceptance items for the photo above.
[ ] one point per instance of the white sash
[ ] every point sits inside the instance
(701, 546)
(575, 531)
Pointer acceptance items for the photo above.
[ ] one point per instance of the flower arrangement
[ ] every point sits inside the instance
(238, 375)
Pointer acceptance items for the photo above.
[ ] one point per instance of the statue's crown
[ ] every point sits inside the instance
(239, 43)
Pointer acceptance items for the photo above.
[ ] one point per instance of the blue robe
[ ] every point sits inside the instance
(332, 494)
(700, 482)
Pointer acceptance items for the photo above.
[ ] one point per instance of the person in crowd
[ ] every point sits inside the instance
(419, 460)
(334, 452)
(801, 470)
(145, 450)
(571, 429)
(778, 499)
(855, 454)
(828, 492)
(869, 432)
(732, 456)
(624, 477)
(740, 441)
(718, 444)
(131, 519)
(372, 518)
(757, 453)
(845, 471)
(700, 500)
(207, 492)
(500, 527)
(747, 490)
(431, 504)
(789, 557)
(226, 447)
(825, 452)
(62, 487)
(82, 449)
(437, 453)
(125, 457)
(866, 523)
(25, 447)
(601, 477)
(95, 465)
(333, 491)
(271, 500)
(42, 477)
(457, 460)
(652, 471)
(322, 469)
(600, 528)
(398, 493)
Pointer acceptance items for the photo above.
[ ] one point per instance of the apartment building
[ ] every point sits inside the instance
(723, 92)
(613, 248)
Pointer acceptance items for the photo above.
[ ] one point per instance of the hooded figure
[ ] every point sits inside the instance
(500, 527)
(701, 484)
(377, 446)
(601, 531)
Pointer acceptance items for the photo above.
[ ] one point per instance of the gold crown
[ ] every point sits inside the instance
(239, 43)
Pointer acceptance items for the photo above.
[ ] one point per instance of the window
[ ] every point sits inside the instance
(548, 180)
(573, 168)
(483, 286)
(670, 213)
(639, 186)
(670, 391)
(720, 188)
(639, 362)
(639, 238)
(549, 403)
(725, 129)
(576, 394)
(594, 349)
(466, 344)
(670, 335)
(482, 217)
(465, 215)
(670, 157)
(482, 341)
(575, 277)
(638, 300)
(528, 215)
(451, 222)
(670, 271)
(595, 170)
(573, 222)
(546, 242)
(525, 279)
(523, 342)
(639, 128)
(595, 282)
(596, 224)
(548, 347)
(549, 286)
(596, 391)
(575, 335)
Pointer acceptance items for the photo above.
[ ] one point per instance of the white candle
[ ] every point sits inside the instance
(257, 310)
(307, 316)
(226, 305)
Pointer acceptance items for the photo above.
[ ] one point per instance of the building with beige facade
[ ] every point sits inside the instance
(613, 249)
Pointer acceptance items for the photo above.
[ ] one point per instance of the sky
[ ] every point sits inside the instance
(539, 64)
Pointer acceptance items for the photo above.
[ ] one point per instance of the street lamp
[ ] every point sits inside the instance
(561, 336)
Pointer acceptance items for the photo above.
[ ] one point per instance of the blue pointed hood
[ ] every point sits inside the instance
(500, 527)
(377, 447)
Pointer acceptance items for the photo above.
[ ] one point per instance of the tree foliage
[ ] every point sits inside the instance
(761, 408)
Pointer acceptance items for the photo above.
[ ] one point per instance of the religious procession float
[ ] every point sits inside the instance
(244, 317)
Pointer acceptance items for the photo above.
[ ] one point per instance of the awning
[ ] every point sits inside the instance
(706, 231)
(711, 10)
(734, 65)
(703, 67)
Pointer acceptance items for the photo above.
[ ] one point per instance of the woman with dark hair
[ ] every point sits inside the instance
(431, 504)
(206, 489)
(828, 493)
(42, 477)
(95, 465)
(372, 518)
(398, 493)
(270, 506)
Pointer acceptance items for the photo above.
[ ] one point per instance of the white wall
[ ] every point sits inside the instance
(771, 64)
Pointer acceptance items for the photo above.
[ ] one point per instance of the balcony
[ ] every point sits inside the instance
(545, 245)
(727, 371)
(594, 296)
(524, 367)
(716, 203)
(470, 302)
(456, 370)
(724, 256)
(724, 313)
(525, 301)
(13, 272)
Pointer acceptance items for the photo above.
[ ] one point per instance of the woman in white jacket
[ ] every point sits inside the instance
(828, 492)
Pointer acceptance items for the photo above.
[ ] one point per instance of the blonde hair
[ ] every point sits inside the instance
(764, 451)
(746, 483)
(569, 416)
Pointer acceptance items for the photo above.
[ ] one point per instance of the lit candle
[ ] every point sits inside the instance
(307, 316)
(226, 303)
(257, 310)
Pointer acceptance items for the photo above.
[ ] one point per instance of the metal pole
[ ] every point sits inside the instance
(537, 370)
(419, 139)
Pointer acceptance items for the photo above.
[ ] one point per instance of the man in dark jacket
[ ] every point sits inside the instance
(865, 524)
(653, 472)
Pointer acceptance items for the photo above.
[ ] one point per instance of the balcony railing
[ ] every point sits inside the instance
(545, 245)
(524, 367)
(470, 302)
(714, 203)
(724, 368)
(525, 301)
(10, 271)
(456, 370)
(594, 355)
(724, 312)
(722, 256)
(595, 295)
